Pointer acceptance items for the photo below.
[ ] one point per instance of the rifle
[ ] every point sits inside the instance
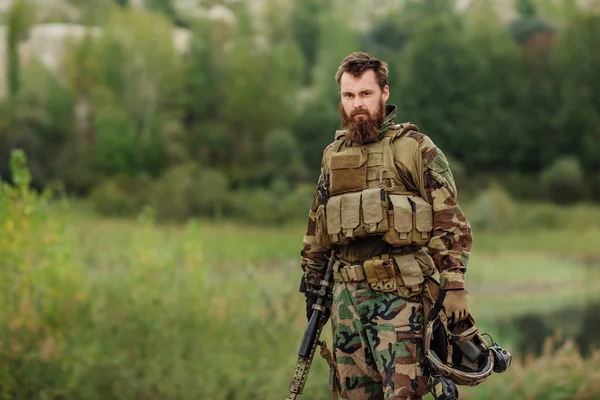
(310, 341)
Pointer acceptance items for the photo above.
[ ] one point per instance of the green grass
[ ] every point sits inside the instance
(111, 309)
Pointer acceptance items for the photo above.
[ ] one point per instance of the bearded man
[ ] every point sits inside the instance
(391, 220)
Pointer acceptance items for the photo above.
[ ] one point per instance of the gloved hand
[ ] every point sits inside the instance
(456, 305)
(312, 299)
(311, 291)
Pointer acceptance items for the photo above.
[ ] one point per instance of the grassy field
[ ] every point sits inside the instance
(93, 308)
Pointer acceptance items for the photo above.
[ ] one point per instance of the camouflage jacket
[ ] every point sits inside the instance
(416, 157)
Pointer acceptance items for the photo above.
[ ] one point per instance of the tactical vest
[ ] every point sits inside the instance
(368, 197)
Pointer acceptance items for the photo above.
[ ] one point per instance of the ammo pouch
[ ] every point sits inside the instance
(401, 219)
(380, 274)
(410, 220)
(403, 274)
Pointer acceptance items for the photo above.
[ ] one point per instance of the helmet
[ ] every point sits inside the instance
(458, 352)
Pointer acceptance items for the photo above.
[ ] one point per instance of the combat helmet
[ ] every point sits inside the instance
(457, 352)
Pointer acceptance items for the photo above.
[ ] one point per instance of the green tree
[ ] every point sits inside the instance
(307, 29)
(437, 91)
(557, 11)
(132, 66)
(168, 8)
(537, 102)
(19, 19)
(529, 25)
(492, 142)
(39, 120)
(95, 13)
(282, 159)
(116, 144)
(388, 37)
(526, 8)
(578, 63)
(563, 181)
(205, 91)
(318, 116)
(430, 7)
(261, 83)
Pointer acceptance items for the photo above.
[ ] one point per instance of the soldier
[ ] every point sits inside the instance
(392, 218)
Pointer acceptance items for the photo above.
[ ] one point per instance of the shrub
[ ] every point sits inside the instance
(522, 186)
(110, 199)
(274, 206)
(188, 190)
(253, 205)
(562, 182)
(39, 284)
(493, 210)
(211, 192)
(173, 193)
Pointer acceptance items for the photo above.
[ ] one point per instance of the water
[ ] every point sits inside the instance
(529, 331)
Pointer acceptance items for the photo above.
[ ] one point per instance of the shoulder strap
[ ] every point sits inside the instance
(389, 173)
(403, 129)
(389, 169)
(337, 144)
(340, 138)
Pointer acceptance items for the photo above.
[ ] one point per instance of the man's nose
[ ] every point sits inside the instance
(358, 102)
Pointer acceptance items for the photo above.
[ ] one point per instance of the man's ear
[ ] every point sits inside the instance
(385, 93)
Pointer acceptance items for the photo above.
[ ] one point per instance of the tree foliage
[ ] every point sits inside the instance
(245, 111)
(18, 20)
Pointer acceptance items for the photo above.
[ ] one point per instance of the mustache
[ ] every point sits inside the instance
(360, 110)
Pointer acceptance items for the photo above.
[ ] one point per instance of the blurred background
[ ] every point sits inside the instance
(158, 160)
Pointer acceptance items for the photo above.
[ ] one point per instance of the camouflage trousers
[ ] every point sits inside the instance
(378, 341)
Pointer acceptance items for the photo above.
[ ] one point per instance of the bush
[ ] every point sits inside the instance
(271, 207)
(172, 195)
(122, 196)
(522, 186)
(594, 189)
(109, 199)
(253, 205)
(562, 182)
(553, 216)
(558, 374)
(295, 206)
(188, 190)
(39, 285)
(493, 210)
(212, 190)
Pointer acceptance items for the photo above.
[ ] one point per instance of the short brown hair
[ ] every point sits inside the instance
(358, 62)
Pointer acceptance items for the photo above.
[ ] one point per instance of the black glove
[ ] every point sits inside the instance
(311, 292)
(310, 301)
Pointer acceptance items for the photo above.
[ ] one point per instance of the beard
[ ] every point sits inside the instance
(366, 129)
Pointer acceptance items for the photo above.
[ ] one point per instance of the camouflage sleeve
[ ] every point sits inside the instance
(314, 260)
(450, 244)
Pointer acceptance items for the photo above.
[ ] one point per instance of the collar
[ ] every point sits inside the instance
(390, 111)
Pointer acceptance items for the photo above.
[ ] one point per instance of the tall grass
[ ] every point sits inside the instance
(100, 309)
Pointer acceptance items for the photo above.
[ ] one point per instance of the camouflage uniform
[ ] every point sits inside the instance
(377, 335)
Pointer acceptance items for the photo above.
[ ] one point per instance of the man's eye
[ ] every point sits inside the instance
(347, 95)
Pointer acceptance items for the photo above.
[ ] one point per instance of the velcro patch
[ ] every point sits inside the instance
(346, 161)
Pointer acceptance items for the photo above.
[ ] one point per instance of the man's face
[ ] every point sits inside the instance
(362, 105)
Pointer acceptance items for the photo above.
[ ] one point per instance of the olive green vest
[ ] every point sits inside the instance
(368, 196)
